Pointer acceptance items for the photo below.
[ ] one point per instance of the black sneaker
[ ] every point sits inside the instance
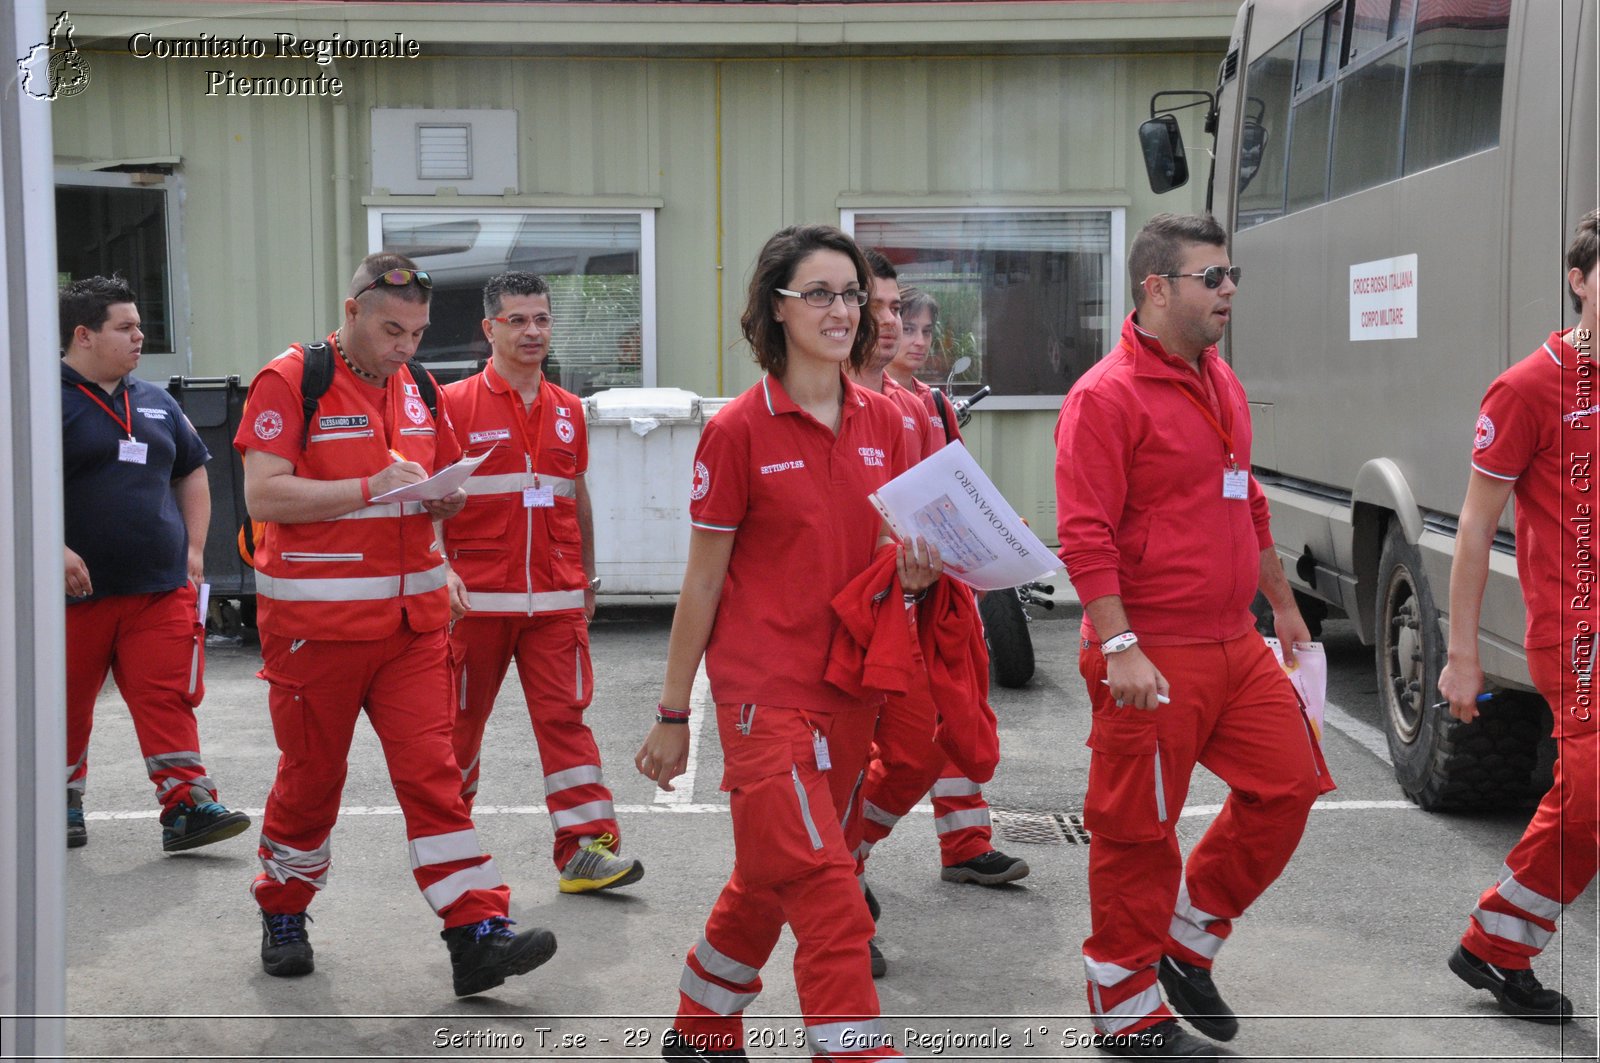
(1518, 992)
(77, 829)
(485, 954)
(872, 902)
(990, 869)
(677, 1048)
(190, 825)
(285, 948)
(880, 966)
(1193, 994)
(1164, 1040)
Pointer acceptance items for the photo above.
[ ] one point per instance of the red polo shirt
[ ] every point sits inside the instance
(919, 432)
(937, 438)
(1537, 427)
(794, 495)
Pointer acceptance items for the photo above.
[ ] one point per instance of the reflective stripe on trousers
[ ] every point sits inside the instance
(284, 862)
(1189, 926)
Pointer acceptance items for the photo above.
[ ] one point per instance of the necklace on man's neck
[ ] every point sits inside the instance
(361, 374)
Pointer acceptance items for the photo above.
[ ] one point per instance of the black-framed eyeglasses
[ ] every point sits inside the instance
(399, 278)
(1212, 275)
(820, 297)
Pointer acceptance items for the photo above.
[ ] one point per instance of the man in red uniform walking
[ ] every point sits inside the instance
(1534, 440)
(136, 511)
(524, 549)
(1166, 538)
(352, 610)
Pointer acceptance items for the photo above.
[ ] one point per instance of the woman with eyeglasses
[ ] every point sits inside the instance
(781, 523)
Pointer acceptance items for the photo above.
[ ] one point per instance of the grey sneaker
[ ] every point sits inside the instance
(596, 867)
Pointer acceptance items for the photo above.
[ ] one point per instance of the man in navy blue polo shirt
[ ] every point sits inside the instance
(137, 507)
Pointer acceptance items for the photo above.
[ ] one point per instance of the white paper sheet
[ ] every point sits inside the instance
(950, 502)
(1309, 677)
(440, 484)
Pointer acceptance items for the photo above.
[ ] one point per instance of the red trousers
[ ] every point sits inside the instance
(1233, 711)
(155, 646)
(792, 864)
(905, 763)
(318, 688)
(1556, 858)
(552, 655)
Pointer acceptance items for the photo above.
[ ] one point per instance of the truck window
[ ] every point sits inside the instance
(1267, 100)
(1458, 62)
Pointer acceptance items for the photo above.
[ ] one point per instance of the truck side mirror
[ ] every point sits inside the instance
(1164, 159)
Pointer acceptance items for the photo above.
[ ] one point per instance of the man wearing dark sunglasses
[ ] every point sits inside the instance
(353, 605)
(1167, 538)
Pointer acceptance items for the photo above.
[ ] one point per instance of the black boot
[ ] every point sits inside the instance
(285, 948)
(1518, 992)
(1193, 994)
(485, 954)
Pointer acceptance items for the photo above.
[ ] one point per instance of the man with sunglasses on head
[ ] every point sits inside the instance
(353, 605)
(1166, 538)
(523, 549)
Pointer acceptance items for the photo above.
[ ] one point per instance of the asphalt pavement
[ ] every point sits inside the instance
(1343, 959)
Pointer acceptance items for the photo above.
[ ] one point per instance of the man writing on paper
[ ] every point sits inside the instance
(353, 604)
(1166, 538)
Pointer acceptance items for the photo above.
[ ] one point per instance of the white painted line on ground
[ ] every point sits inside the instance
(1365, 735)
(1320, 806)
(700, 710)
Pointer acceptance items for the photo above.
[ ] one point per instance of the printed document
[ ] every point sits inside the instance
(951, 503)
(439, 485)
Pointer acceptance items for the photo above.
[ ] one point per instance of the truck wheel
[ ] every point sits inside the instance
(1005, 627)
(1440, 762)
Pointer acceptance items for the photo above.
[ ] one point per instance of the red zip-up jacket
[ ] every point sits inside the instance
(1139, 504)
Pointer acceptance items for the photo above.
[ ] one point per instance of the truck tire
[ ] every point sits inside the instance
(1441, 763)
(1005, 628)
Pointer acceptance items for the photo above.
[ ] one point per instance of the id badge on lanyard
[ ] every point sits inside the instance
(1235, 483)
(539, 497)
(132, 451)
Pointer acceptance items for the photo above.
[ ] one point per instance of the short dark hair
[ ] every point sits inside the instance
(1583, 251)
(774, 269)
(1160, 245)
(879, 264)
(914, 300)
(376, 265)
(512, 282)
(88, 302)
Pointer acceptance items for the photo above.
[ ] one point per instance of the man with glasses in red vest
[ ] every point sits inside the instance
(352, 607)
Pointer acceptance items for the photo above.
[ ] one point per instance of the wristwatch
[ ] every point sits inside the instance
(1118, 643)
(594, 584)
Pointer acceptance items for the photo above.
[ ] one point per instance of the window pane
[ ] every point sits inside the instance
(1308, 151)
(1458, 59)
(1024, 294)
(1310, 56)
(101, 231)
(1267, 110)
(1376, 23)
(1366, 138)
(591, 260)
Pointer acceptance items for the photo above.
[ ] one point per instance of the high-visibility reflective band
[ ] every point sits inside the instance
(186, 759)
(445, 848)
(1190, 936)
(515, 482)
(711, 996)
(526, 604)
(170, 784)
(973, 817)
(589, 813)
(351, 589)
(833, 1037)
(1511, 928)
(448, 890)
(956, 788)
(582, 775)
(850, 805)
(720, 966)
(1107, 974)
(805, 808)
(864, 849)
(1128, 1012)
(1161, 791)
(1529, 901)
(389, 510)
(467, 771)
(878, 815)
(307, 865)
(324, 437)
(1186, 908)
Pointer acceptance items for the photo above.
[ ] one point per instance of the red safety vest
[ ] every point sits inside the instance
(355, 576)
(516, 558)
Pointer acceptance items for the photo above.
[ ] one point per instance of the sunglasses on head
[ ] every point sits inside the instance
(399, 278)
(1212, 275)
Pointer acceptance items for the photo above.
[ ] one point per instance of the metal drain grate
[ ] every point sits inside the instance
(1032, 826)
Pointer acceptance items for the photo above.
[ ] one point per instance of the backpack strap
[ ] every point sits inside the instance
(315, 381)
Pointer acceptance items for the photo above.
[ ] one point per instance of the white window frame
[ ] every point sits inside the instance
(177, 276)
(647, 257)
(1116, 301)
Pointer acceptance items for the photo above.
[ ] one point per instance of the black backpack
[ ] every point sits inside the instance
(314, 383)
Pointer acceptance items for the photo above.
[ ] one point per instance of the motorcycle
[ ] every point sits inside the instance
(1004, 612)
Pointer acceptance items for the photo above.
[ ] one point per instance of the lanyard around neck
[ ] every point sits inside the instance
(519, 418)
(1222, 433)
(126, 426)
